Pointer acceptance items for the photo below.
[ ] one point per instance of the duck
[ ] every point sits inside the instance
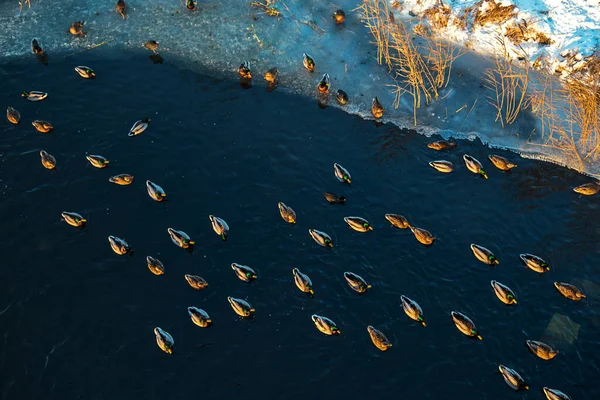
(541, 349)
(587, 189)
(442, 166)
(440, 145)
(13, 116)
(465, 325)
(34, 95)
(219, 226)
(504, 293)
(397, 221)
(73, 219)
(196, 282)
(378, 338)
(151, 45)
(342, 174)
(36, 47)
(308, 62)
(155, 192)
(244, 272)
(412, 309)
(180, 238)
(323, 86)
(155, 265)
(76, 28)
(358, 224)
(164, 340)
(356, 282)
(512, 378)
(325, 325)
(501, 163)
(303, 282)
(287, 213)
(272, 76)
(119, 246)
(121, 8)
(241, 307)
(484, 255)
(139, 127)
(334, 198)
(199, 317)
(339, 16)
(321, 238)
(571, 292)
(341, 97)
(191, 5)
(376, 108)
(244, 70)
(423, 236)
(97, 161)
(121, 179)
(48, 160)
(555, 394)
(85, 72)
(534, 263)
(474, 165)
(42, 126)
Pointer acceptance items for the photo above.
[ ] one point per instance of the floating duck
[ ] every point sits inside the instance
(244, 70)
(541, 349)
(219, 226)
(501, 163)
(504, 293)
(571, 292)
(412, 309)
(512, 378)
(423, 236)
(195, 281)
(121, 8)
(442, 166)
(341, 97)
(342, 174)
(339, 16)
(191, 5)
(119, 245)
(241, 307)
(534, 262)
(151, 45)
(155, 266)
(155, 192)
(287, 213)
(36, 47)
(163, 339)
(272, 76)
(180, 238)
(378, 338)
(334, 199)
(484, 255)
(139, 127)
(34, 95)
(397, 220)
(244, 272)
(587, 189)
(121, 179)
(465, 325)
(308, 62)
(377, 109)
(48, 160)
(85, 72)
(13, 116)
(325, 325)
(441, 145)
(199, 317)
(474, 165)
(358, 224)
(356, 282)
(303, 282)
(321, 238)
(73, 219)
(555, 394)
(42, 126)
(76, 28)
(323, 86)
(97, 161)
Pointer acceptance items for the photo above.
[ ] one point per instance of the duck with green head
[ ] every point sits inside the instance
(474, 165)
(465, 325)
(180, 238)
(73, 219)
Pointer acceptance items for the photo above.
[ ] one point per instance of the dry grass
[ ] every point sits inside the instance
(22, 3)
(523, 31)
(438, 16)
(268, 7)
(495, 13)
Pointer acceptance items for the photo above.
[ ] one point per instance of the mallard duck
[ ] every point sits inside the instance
(356, 282)
(180, 238)
(219, 226)
(121, 179)
(342, 174)
(199, 317)
(323, 86)
(474, 165)
(397, 220)
(334, 198)
(155, 266)
(244, 70)
(376, 108)
(555, 394)
(139, 127)
(325, 325)
(13, 116)
(587, 189)
(423, 236)
(303, 282)
(358, 224)
(534, 263)
(151, 45)
(155, 192)
(484, 255)
(308, 62)
(441, 145)
(76, 28)
(341, 97)
(36, 47)
(442, 166)
(48, 160)
(321, 238)
(287, 213)
(164, 340)
(512, 378)
(244, 272)
(42, 126)
(34, 95)
(501, 163)
(191, 5)
(97, 161)
(541, 349)
(272, 76)
(73, 219)
(571, 292)
(241, 307)
(196, 282)
(121, 8)
(339, 16)
(85, 72)
(412, 309)
(504, 293)
(119, 246)
(378, 338)
(465, 325)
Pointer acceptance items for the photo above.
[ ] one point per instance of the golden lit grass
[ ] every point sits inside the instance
(523, 31)
(493, 13)
(23, 2)
(268, 7)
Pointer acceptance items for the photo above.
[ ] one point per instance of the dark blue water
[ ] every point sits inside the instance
(77, 319)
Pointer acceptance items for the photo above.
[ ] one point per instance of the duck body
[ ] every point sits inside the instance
(440, 145)
(587, 189)
(356, 282)
(121, 8)
(48, 160)
(474, 165)
(36, 46)
(139, 127)
(323, 86)
(397, 221)
(308, 62)
(272, 76)
(287, 213)
(484, 255)
(423, 236)
(571, 292)
(412, 309)
(465, 325)
(442, 166)
(342, 174)
(119, 246)
(512, 378)
(501, 163)
(334, 199)
(42, 126)
(244, 272)
(341, 97)
(164, 340)
(358, 224)
(303, 282)
(534, 263)
(76, 28)
(13, 116)
(180, 238)
(339, 16)
(321, 238)
(34, 95)
(555, 394)
(378, 338)
(376, 108)
(219, 226)
(541, 349)
(97, 161)
(325, 325)
(199, 317)
(121, 179)
(151, 45)
(155, 192)
(504, 293)
(244, 70)
(73, 219)
(241, 307)
(196, 282)
(85, 72)
(155, 265)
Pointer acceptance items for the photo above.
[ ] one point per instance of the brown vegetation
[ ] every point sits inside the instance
(268, 7)
(495, 13)
(523, 31)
